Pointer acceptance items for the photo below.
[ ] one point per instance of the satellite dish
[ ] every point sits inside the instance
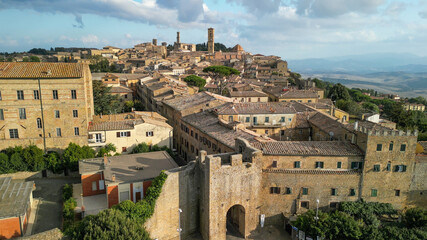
(331, 134)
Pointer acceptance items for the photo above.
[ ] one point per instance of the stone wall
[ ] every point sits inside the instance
(418, 189)
(180, 191)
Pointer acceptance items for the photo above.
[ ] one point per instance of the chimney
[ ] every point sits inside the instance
(113, 177)
(105, 159)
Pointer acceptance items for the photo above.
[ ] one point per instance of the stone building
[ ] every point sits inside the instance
(45, 104)
(281, 94)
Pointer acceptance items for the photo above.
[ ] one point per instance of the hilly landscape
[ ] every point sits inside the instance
(403, 74)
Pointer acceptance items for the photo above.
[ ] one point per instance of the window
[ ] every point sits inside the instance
(13, 133)
(388, 168)
(297, 164)
(58, 132)
(333, 191)
(57, 115)
(305, 204)
(255, 119)
(377, 168)
(230, 118)
(400, 168)
(266, 131)
(259, 99)
(73, 94)
(397, 193)
(191, 133)
(390, 147)
(319, 164)
(76, 131)
(309, 101)
(274, 165)
(20, 94)
(36, 94)
(22, 114)
(339, 164)
(352, 192)
(149, 134)
(39, 123)
(248, 119)
(379, 147)
(374, 192)
(0, 95)
(1, 114)
(124, 149)
(275, 190)
(101, 185)
(98, 137)
(267, 119)
(75, 113)
(94, 186)
(282, 119)
(196, 136)
(304, 191)
(123, 134)
(288, 190)
(290, 119)
(356, 165)
(282, 132)
(403, 147)
(55, 94)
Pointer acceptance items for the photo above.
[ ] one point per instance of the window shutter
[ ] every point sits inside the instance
(396, 169)
(403, 168)
(321, 164)
(146, 134)
(152, 133)
(278, 190)
(118, 134)
(128, 134)
(90, 136)
(271, 190)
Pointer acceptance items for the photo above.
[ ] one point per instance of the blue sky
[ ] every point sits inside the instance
(292, 29)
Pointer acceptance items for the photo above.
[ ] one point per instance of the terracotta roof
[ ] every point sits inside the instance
(369, 126)
(308, 148)
(290, 92)
(114, 125)
(20, 70)
(185, 102)
(109, 75)
(325, 122)
(261, 108)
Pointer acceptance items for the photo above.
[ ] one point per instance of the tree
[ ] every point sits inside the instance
(218, 73)
(39, 51)
(339, 91)
(343, 226)
(17, 162)
(194, 80)
(135, 104)
(53, 162)
(4, 164)
(73, 153)
(34, 158)
(415, 217)
(141, 148)
(370, 107)
(25, 59)
(107, 149)
(105, 102)
(34, 59)
(307, 223)
(110, 224)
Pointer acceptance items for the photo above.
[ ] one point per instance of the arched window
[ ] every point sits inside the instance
(39, 123)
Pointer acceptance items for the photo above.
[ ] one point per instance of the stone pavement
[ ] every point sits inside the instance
(267, 233)
(93, 204)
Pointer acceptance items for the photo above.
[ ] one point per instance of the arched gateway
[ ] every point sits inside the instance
(235, 223)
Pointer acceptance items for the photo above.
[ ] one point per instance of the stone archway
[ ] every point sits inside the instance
(235, 221)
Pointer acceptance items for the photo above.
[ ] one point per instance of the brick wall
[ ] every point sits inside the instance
(146, 184)
(9, 228)
(113, 196)
(87, 184)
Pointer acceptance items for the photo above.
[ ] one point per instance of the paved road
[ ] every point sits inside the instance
(50, 207)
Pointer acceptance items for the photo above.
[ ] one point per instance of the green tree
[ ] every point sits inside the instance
(25, 59)
(53, 162)
(141, 148)
(343, 226)
(415, 217)
(339, 91)
(107, 149)
(349, 106)
(34, 158)
(34, 59)
(218, 73)
(110, 224)
(371, 107)
(17, 162)
(105, 102)
(307, 223)
(73, 153)
(194, 80)
(5, 166)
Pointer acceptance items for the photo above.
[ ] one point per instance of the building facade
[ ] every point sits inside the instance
(45, 104)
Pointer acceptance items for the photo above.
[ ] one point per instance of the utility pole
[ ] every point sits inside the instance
(41, 108)
(179, 222)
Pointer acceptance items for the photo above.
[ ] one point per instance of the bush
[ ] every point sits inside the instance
(5, 166)
(106, 150)
(141, 148)
(53, 162)
(67, 192)
(68, 209)
(73, 153)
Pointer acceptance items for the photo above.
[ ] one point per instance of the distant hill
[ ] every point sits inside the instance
(361, 64)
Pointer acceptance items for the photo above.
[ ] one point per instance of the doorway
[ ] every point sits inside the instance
(235, 223)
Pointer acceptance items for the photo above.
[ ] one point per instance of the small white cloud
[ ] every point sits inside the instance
(90, 39)
(128, 36)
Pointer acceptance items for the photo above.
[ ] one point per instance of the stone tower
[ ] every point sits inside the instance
(211, 43)
(178, 38)
(154, 42)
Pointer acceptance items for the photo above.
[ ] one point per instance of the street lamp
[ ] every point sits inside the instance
(179, 223)
(317, 210)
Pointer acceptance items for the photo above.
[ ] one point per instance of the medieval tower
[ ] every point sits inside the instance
(211, 44)
(178, 38)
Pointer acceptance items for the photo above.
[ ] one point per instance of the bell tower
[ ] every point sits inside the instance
(211, 43)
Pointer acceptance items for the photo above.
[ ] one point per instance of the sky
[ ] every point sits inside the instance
(291, 29)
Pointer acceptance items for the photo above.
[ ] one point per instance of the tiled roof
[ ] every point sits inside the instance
(261, 108)
(309, 148)
(14, 197)
(247, 94)
(325, 122)
(369, 126)
(185, 102)
(114, 125)
(208, 123)
(19, 70)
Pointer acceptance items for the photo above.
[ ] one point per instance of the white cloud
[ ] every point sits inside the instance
(90, 39)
